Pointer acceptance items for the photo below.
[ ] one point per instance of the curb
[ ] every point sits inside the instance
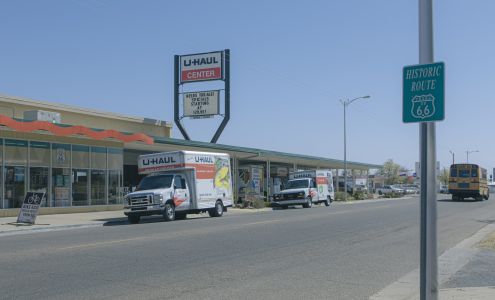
(52, 228)
(449, 263)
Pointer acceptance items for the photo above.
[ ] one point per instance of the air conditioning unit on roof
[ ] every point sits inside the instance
(41, 115)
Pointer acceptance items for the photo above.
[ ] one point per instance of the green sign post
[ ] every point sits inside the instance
(423, 93)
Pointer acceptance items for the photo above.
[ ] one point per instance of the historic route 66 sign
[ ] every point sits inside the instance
(423, 93)
(423, 106)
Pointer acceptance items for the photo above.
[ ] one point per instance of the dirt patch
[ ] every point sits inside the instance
(488, 242)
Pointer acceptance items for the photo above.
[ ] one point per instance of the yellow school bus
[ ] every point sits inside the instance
(468, 181)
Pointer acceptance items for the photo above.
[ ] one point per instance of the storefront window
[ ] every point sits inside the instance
(14, 186)
(39, 154)
(115, 159)
(60, 187)
(1, 175)
(38, 182)
(114, 190)
(98, 157)
(80, 157)
(15, 152)
(98, 186)
(61, 155)
(79, 187)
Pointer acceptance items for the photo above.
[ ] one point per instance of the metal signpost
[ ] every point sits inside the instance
(205, 104)
(423, 102)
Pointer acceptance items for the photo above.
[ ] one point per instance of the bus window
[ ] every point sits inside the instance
(453, 172)
(464, 173)
(474, 173)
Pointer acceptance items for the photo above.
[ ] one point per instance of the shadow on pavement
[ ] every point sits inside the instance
(144, 220)
(457, 201)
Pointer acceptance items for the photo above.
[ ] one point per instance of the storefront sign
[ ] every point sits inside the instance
(201, 104)
(201, 67)
(29, 208)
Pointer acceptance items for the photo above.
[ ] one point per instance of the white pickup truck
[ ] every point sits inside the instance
(180, 183)
(305, 188)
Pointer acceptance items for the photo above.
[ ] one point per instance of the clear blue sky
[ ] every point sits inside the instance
(291, 63)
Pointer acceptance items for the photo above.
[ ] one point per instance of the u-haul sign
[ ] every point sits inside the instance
(201, 67)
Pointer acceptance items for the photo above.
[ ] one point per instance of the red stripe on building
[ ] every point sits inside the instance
(73, 130)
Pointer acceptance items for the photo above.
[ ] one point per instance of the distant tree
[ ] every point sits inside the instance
(390, 171)
(444, 176)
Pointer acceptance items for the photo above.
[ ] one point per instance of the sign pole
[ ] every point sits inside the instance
(176, 98)
(428, 257)
(226, 118)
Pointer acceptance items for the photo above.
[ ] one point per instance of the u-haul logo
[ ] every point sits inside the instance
(203, 159)
(159, 160)
(200, 67)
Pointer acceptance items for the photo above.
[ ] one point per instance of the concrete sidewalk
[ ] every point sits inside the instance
(81, 220)
(465, 271)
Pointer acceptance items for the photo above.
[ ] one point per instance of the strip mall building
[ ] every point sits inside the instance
(86, 160)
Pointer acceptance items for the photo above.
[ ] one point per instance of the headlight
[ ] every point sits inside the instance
(300, 194)
(157, 199)
(127, 200)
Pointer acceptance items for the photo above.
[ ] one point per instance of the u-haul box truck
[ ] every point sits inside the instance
(305, 188)
(180, 183)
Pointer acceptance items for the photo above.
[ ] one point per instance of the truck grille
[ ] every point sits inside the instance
(141, 200)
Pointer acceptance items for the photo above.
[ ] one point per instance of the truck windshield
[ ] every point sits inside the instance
(155, 182)
(296, 184)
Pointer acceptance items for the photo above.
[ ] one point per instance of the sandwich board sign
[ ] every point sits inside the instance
(29, 208)
(423, 93)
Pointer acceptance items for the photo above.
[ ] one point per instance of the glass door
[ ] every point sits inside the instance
(60, 187)
(14, 186)
(38, 182)
(79, 187)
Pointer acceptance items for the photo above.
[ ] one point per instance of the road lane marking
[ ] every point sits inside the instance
(89, 245)
(261, 222)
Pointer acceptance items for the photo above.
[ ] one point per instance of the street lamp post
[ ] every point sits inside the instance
(453, 154)
(469, 152)
(345, 103)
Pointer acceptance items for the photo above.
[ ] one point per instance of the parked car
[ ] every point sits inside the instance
(444, 189)
(387, 189)
(410, 189)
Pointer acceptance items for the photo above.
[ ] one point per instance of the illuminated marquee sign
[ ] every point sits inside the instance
(201, 67)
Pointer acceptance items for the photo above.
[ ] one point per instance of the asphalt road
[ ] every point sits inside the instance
(345, 251)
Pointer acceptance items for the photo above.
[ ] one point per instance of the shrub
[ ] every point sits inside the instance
(340, 196)
(259, 203)
(360, 195)
(392, 195)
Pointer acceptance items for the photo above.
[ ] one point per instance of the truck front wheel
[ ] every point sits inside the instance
(309, 203)
(217, 211)
(169, 212)
(133, 219)
(328, 201)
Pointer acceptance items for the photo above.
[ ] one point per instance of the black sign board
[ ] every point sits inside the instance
(29, 208)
